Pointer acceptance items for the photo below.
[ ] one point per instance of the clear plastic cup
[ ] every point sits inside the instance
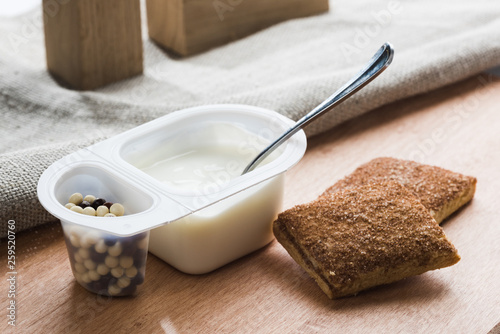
(104, 263)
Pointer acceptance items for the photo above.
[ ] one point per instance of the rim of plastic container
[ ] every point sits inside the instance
(122, 226)
(168, 204)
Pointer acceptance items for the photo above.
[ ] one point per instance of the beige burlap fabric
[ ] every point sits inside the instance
(290, 68)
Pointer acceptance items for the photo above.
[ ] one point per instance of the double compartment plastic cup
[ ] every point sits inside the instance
(108, 254)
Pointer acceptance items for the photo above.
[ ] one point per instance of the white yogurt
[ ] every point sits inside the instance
(199, 168)
(221, 233)
(225, 231)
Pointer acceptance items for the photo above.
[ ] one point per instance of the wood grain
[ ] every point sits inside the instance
(267, 292)
(91, 43)
(191, 26)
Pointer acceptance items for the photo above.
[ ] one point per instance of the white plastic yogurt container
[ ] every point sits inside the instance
(178, 178)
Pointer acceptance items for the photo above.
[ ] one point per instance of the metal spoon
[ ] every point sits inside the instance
(379, 62)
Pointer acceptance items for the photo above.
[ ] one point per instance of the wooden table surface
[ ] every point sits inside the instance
(457, 127)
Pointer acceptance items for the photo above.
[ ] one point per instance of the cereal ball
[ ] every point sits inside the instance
(78, 258)
(126, 262)
(114, 290)
(108, 204)
(123, 282)
(94, 275)
(131, 272)
(89, 198)
(117, 209)
(109, 215)
(117, 272)
(76, 208)
(80, 268)
(74, 240)
(76, 198)
(88, 240)
(69, 205)
(89, 211)
(111, 261)
(84, 253)
(115, 250)
(102, 269)
(89, 264)
(86, 278)
(100, 247)
(101, 211)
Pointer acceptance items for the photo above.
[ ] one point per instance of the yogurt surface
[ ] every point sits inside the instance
(206, 161)
(199, 168)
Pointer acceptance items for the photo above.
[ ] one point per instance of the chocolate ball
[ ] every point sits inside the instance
(84, 204)
(110, 242)
(98, 202)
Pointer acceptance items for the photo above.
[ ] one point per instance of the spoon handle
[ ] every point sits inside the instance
(379, 62)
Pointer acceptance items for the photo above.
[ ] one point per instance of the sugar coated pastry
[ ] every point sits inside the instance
(441, 191)
(364, 236)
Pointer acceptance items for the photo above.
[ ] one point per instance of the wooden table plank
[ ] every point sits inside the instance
(456, 127)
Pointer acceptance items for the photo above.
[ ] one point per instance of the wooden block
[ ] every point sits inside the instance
(192, 26)
(91, 43)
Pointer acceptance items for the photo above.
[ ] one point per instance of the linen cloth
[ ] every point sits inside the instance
(290, 67)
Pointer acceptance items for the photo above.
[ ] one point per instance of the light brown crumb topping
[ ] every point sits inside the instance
(434, 186)
(357, 230)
